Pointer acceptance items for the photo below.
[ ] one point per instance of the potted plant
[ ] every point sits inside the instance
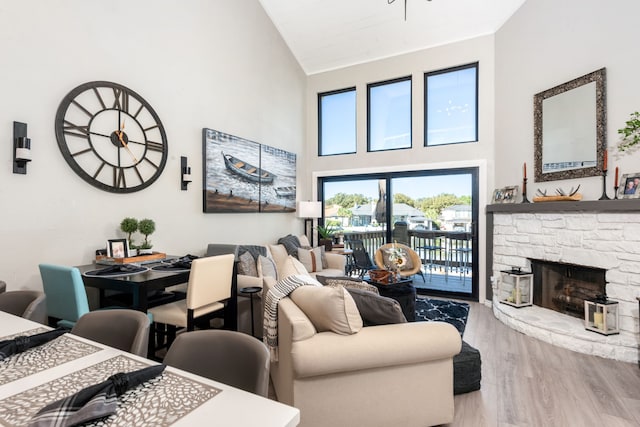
(130, 225)
(146, 226)
(630, 133)
(325, 233)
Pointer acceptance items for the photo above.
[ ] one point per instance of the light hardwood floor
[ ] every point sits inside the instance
(527, 382)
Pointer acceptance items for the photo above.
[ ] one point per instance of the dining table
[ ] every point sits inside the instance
(150, 279)
(41, 375)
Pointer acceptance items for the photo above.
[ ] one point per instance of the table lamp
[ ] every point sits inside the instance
(309, 211)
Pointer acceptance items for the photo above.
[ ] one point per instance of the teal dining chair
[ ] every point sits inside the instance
(66, 297)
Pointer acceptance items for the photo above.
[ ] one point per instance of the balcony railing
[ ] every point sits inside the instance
(436, 248)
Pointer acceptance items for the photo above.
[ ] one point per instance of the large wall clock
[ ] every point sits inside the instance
(111, 137)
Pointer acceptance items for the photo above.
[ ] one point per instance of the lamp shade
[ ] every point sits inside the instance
(309, 209)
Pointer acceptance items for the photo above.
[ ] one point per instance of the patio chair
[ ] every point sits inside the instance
(361, 260)
(416, 262)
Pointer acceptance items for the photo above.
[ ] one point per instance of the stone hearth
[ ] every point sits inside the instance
(606, 240)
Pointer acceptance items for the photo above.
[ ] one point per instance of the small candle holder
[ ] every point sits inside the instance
(604, 186)
(524, 191)
(615, 194)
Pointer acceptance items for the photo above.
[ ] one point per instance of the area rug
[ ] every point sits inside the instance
(456, 313)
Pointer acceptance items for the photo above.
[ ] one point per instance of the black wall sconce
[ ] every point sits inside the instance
(21, 148)
(185, 173)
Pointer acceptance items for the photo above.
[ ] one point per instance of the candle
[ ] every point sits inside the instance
(604, 163)
(598, 320)
(616, 180)
(525, 170)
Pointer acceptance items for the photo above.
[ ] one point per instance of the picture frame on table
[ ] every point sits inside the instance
(117, 248)
(505, 194)
(629, 186)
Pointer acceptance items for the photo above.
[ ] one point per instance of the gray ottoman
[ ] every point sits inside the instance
(466, 370)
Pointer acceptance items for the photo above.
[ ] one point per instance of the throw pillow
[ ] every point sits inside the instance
(266, 267)
(325, 263)
(278, 254)
(407, 263)
(290, 243)
(323, 279)
(290, 267)
(311, 259)
(247, 265)
(304, 241)
(352, 284)
(377, 310)
(329, 309)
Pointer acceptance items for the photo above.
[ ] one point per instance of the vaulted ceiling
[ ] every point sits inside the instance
(329, 34)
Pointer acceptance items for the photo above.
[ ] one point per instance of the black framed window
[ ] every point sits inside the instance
(337, 122)
(389, 115)
(434, 212)
(451, 105)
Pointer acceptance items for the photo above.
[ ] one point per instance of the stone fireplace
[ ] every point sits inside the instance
(564, 287)
(576, 250)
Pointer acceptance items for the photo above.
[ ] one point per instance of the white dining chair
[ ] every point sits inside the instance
(208, 291)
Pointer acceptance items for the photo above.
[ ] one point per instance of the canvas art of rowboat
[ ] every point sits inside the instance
(247, 170)
(289, 191)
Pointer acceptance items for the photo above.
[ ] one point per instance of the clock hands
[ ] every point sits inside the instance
(124, 144)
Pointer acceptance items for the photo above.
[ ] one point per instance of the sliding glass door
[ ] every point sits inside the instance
(433, 212)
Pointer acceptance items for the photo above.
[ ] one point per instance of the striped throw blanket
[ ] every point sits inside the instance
(280, 290)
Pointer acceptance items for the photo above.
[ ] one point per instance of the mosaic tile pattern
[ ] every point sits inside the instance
(159, 402)
(54, 353)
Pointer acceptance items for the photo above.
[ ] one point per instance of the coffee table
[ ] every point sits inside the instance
(402, 291)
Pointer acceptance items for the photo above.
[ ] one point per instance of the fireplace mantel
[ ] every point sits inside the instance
(597, 206)
(624, 205)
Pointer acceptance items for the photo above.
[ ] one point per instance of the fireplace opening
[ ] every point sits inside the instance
(564, 287)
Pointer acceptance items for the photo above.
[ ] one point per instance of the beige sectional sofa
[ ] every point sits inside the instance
(389, 375)
(278, 254)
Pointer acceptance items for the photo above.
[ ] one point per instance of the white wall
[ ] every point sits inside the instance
(478, 154)
(546, 43)
(199, 63)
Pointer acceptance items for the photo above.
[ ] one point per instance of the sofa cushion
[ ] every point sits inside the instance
(290, 267)
(247, 265)
(291, 244)
(329, 309)
(311, 259)
(375, 309)
(304, 241)
(266, 267)
(351, 284)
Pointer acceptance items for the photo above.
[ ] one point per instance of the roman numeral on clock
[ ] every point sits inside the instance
(75, 130)
(155, 146)
(121, 101)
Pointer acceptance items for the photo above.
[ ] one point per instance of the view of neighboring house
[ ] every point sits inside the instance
(363, 216)
(456, 218)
